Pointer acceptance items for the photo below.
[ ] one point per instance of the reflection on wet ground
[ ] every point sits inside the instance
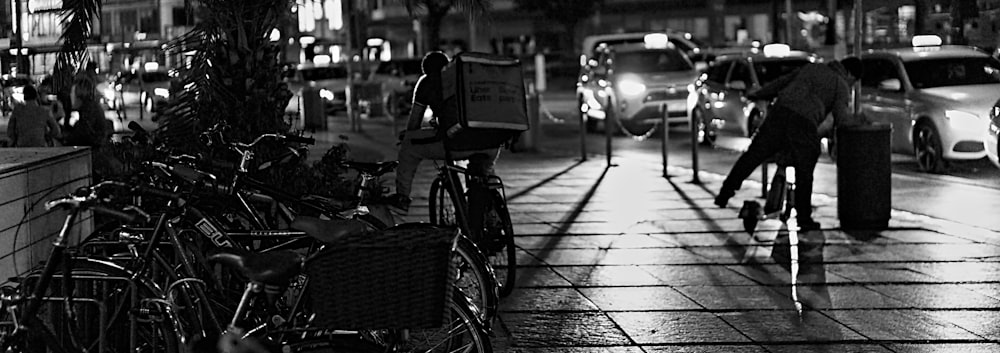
(623, 260)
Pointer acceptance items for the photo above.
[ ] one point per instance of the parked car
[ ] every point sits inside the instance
(937, 99)
(718, 100)
(993, 136)
(397, 78)
(13, 88)
(145, 88)
(634, 82)
(329, 79)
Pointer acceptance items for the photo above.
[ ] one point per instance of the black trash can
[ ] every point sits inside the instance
(864, 176)
(313, 110)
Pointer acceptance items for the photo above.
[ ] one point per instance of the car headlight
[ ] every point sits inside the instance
(162, 92)
(958, 119)
(631, 87)
(326, 94)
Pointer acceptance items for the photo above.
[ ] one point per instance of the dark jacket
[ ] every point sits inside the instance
(32, 125)
(92, 127)
(813, 91)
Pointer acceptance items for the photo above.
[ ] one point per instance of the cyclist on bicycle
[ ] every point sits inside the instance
(804, 98)
(418, 144)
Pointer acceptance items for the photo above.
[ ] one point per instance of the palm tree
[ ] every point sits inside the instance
(232, 75)
(436, 12)
(77, 20)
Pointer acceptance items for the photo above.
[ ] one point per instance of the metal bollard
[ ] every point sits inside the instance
(583, 135)
(763, 180)
(694, 150)
(608, 124)
(666, 137)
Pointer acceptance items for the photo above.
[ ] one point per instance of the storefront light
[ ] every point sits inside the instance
(334, 14)
(317, 9)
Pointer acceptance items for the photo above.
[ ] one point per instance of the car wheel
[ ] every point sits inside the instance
(927, 148)
(706, 136)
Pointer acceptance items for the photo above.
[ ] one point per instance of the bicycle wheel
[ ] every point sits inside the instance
(498, 231)
(475, 279)
(108, 312)
(463, 333)
(441, 205)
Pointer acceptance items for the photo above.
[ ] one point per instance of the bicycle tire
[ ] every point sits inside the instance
(441, 205)
(502, 253)
(335, 345)
(97, 281)
(476, 279)
(463, 333)
(776, 194)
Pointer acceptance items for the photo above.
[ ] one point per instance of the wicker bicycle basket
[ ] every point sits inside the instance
(395, 279)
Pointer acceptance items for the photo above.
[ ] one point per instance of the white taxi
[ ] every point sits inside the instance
(635, 81)
(937, 99)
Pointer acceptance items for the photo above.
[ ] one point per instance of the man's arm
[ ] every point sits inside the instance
(770, 90)
(416, 116)
(418, 107)
(842, 114)
(12, 129)
(54, 131)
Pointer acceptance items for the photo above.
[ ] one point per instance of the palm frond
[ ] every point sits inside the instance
(233, 76)
(76, 19)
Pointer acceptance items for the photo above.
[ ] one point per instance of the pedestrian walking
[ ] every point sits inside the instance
(91, 129)
(802, 101)
(32, 125)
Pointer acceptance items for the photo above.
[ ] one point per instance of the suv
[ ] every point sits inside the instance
(148, 89)
(330, 80)
(718, 102)
(634, 81)
(937, 98)
(397, 78)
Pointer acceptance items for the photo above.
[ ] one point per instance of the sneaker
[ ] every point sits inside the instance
(806, 225)
(722, 200)
(398, 204)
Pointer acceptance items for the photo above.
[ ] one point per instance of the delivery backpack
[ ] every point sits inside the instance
(487, 92)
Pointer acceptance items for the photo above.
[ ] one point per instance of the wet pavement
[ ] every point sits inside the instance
(621, 259)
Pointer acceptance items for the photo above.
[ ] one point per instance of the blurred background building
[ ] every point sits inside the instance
(130, 33)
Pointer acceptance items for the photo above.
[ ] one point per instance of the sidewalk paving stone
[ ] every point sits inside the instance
(622, 260)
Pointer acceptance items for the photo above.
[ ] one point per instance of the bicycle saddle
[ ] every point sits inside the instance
(376, 168)
(328, 231)
(274, 268)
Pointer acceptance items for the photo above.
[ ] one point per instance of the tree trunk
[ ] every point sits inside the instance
(919, 17)
(432, 26)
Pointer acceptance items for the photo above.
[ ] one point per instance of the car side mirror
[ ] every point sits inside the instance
(737, 85)
(891, 85)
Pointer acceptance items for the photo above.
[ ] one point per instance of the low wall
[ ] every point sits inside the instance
(28, 178)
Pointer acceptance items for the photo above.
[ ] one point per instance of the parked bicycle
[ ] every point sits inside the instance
(80, 304)
(478, 204)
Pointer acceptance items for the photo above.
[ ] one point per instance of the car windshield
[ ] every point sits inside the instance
(323, 73)
(651, 61)
(928, 73)
(769, 70)
(405, 67)
(155, 77)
